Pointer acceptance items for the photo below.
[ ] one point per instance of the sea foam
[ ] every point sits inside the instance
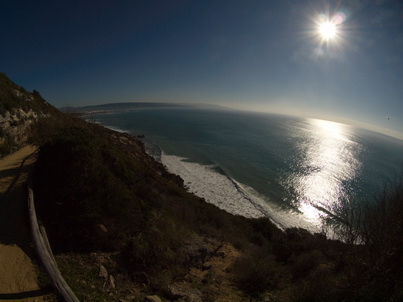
(230, 195)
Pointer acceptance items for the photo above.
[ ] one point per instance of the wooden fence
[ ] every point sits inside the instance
(45, 253)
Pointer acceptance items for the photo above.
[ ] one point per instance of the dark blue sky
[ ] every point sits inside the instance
(258, 55)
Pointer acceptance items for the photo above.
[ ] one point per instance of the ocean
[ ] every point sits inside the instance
(260, 164)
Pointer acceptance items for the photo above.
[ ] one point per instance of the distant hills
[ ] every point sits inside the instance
(127, 106)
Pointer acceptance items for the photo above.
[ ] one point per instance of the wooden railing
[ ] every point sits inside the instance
(45, 253)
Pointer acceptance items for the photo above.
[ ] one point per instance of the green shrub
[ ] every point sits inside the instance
(322, 285)
(79, 186)
(377, 226)
(13, 97)
(6, 145)
(153, 255)
(305, 262)
(257, 273)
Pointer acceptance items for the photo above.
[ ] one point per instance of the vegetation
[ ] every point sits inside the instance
(13, 96)
(97, 191)
(146, 213)
(18, 109)
(104, 201)
(6, 143)
(373, 231)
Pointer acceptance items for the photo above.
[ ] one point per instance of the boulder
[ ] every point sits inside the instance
(206, 266)
(183, 292)
(103, 273)
(153, 299)
(102, 228)
(111, 282)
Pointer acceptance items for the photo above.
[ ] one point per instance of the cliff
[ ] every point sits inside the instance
(106, 203)
(19, 109)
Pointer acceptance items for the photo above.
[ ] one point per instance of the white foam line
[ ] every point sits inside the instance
(111, 127)
(228, 194)
(215, 188)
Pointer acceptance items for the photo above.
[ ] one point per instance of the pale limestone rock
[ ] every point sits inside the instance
(103, 273)
(184, 292)
(153, 299)
(111, 282)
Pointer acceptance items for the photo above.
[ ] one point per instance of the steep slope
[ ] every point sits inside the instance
(105, 201)
(19, 109)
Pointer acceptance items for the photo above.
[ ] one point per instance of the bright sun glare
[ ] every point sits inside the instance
(327, 30)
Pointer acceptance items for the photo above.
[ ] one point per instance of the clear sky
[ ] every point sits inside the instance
(252, 54)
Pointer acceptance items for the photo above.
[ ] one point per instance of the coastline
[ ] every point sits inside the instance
(296, 252)
(230, 195)
(221, 190)
(215, 188)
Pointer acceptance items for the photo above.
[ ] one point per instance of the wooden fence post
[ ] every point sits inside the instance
(45, 254)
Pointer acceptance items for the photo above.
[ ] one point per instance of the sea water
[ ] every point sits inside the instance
(259, 164)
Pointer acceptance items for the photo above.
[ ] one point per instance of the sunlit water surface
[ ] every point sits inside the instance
(326, 161)
(266, 165)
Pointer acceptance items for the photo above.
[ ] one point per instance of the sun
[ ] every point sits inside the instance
(330, 32)
(327, 30)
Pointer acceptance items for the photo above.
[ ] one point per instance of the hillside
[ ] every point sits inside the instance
(19, 109)
(104, 201)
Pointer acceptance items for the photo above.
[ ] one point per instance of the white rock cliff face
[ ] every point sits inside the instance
(19, 109)
(15, 125)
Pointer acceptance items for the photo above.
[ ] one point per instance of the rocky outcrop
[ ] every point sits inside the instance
(110, 281)
(183, 292)
(19, 109)
(153, 299)
(14, 128)
(16, 123)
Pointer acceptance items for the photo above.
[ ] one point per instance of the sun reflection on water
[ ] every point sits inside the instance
(327, 162)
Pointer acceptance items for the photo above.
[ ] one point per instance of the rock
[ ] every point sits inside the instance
(206, 266)
(103, 273)
(102, 228)
(15, 125)
(111, 282)
(196, 255)
(184, 292)
(153, 299)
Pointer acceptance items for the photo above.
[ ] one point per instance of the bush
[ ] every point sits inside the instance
(6, 143)
(306, 262)
(322, 285)
(78, 186)
(257, 272)
(378, 228)
(153, 254)
(13, 97)
(95, 194)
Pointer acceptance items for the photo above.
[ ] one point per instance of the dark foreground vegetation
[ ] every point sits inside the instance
(99, 193)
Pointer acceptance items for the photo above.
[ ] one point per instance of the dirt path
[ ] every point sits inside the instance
(18, 273)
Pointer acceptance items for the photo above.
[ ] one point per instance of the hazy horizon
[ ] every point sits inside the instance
(335, 60)
(380, 130)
